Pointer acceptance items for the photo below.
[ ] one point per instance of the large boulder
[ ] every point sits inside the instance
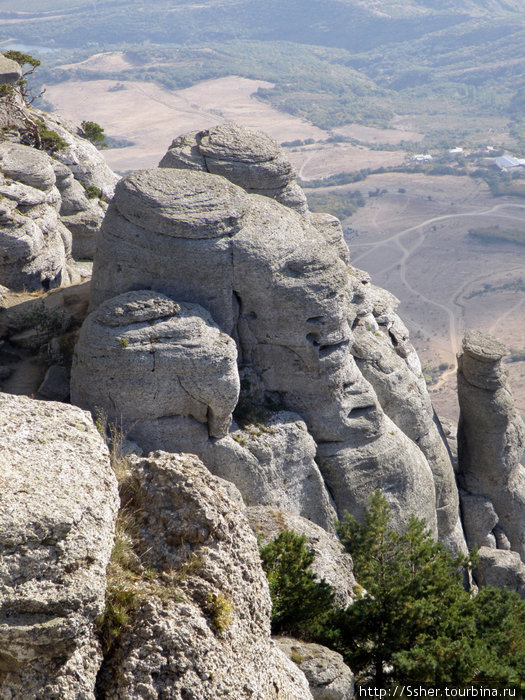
(157, 368)
(55, 543)
(207, 634)
(328, 676)
(34, 248)
(248, 158)
(491, 437)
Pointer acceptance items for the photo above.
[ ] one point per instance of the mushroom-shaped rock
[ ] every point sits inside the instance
(491, 435)
(55, 543)
(156, 366)
(206, 632)
(170, 230)
(248, 158)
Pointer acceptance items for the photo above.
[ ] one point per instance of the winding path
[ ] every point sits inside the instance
(407, 250)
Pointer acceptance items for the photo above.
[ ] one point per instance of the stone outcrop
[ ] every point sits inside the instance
(10, 71)
(246, 157)
(159, 368)
(46, 215)
(209, 637)
(500, 568)
(271, 281)
(328, 676)
(35, 246)
(55, 542)
(273, 463)
(490, 445)
(332, 563)
(389, 362)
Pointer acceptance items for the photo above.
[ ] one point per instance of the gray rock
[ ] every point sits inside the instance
(56, 384)
(86, 163)
(273, 463)
(272, 281)
(210, 638)
(149, 362)
(84, 226)
(491, 435)
(328, 676)
(248, 158)
(161, 216)
(27, 165)
(387, 359)
(10, 71)
(479, 520)
(501, 569)
(55, 542)
(330, 228)
(32, 251)
(332, 563)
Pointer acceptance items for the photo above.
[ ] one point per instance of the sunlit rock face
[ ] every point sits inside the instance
(490, 442)
(279, 286)
(244, 156)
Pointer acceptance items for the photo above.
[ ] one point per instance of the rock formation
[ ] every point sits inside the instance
(332, 562)
(207, 635)
(46, 216)
(55, 542)
(490, 445)
(328, 676)
(246, 157)
(271, 281)
(389, 362)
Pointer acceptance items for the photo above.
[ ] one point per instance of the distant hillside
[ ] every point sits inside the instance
(333, 62)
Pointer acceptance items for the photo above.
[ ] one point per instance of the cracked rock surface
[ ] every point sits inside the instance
(55, 542)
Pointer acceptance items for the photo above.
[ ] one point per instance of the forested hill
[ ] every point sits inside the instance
(354, 25)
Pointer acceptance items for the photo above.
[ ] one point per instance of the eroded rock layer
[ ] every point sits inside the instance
(58, 505)
(490, 446)
(280, 287)
(209, 638)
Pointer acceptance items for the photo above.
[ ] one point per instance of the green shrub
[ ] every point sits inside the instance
(300, 602)
(95, 133)
(51, 141)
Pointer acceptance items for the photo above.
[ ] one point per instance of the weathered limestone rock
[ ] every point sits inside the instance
(332, 563)
(212, 638)
(55, 542)
(273, 463)
(248, 158)
(387, 359)
(328, 676)
(156, 366)
(32, 249)
(10, 71)
(170, 230)
(500, 568)
(81, 157)
(271, 281)
(491, 435)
